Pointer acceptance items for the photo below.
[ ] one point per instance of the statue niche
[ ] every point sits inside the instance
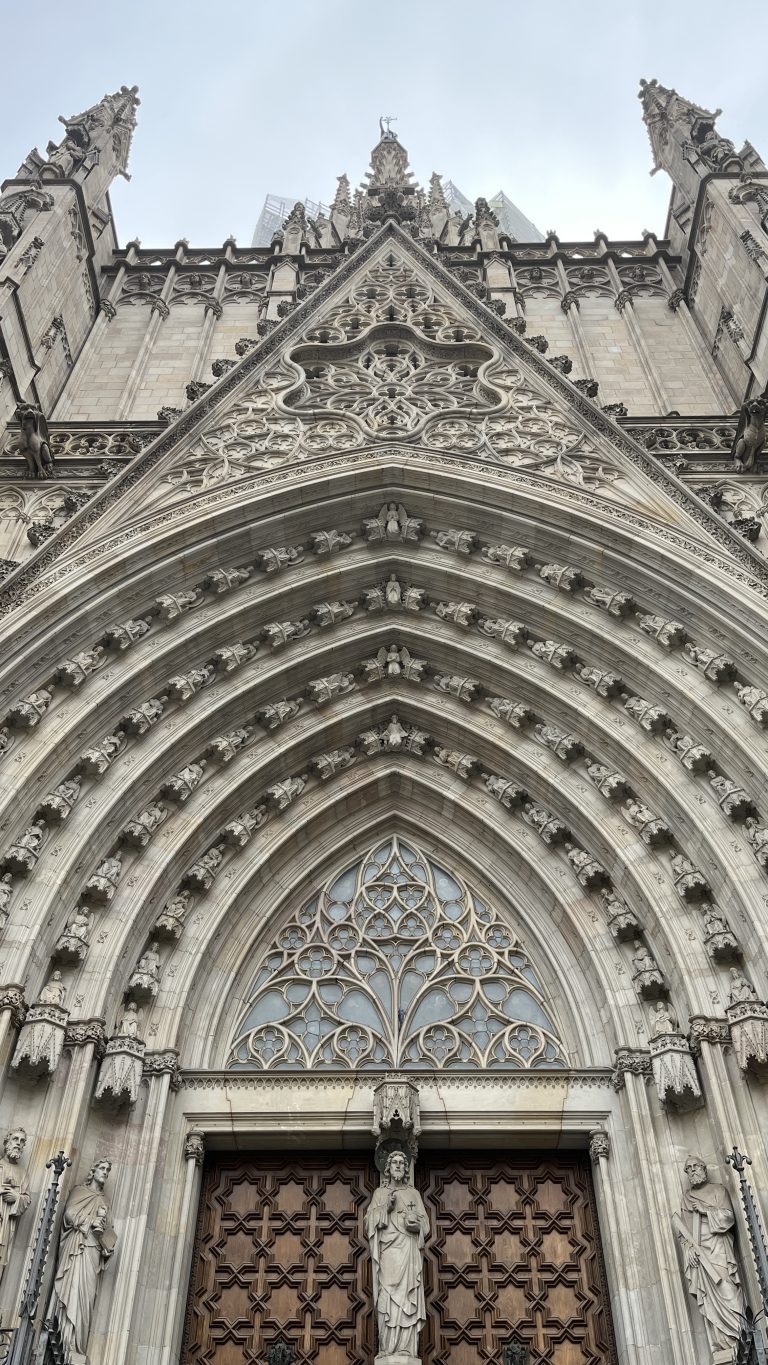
(396, 1226)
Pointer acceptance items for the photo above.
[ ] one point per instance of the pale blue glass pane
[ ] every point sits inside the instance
(380, 983)
(359, 1009)
(520, 1005)
(269, 1008)
(435, 1008)
(343, 888)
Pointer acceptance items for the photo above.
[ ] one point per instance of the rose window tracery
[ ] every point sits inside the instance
(396, 963)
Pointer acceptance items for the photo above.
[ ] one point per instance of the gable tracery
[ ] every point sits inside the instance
(395, 963)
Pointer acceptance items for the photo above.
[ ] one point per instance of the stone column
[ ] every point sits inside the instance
(570, 305)
(632, 1074)
(213, 311)
(135, 1192)
(160, 311)
(625, 1304)
(13, 1012)
(678, 304)
(173, 1307)
(623, 302)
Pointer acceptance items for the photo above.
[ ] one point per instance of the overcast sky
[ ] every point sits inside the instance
(241, 98)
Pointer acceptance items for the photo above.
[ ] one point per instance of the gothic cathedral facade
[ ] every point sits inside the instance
(383, 774)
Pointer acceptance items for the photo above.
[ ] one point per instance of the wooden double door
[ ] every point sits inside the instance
(513, 1255)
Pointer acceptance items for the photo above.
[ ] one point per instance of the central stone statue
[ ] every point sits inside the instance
(396, 1225)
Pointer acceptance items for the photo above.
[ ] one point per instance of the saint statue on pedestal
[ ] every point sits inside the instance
(396, 1225)
(704, 1227)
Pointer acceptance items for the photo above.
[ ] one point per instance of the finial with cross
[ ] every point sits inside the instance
(388, 119)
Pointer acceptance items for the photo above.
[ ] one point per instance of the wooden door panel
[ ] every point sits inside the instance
(281, 1255)
(514, 1255)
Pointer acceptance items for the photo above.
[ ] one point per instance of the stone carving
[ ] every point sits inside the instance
(670, 634)
(588, 870)
(513, 557)
(547, 826)
(101, 886)
(330, 613)
(145, 981)
(224, 580)
(515, 713)
(755, 701)
(278, 558)
(460, 542)
(557, 656)
(23, 854)
(138, 832)
(653, 831)
(86, 1243)
(30, 710)
(94, 762)
(330, 542)
(622, 922)
(282, 794)
(396, 1110)
(183, 686)
(758, 838)
(508, 794)
(732, 799)
(396, 1226)
(465, 689)
(325, 765)
(72, 946)
(462, 764)
(59, 803)
(648, 980)
(239, 832)
(194, 1150)
(618, 604)
(322, 690)
(704, 1228)
(612, 785)
(41, 1039)
(394, 662)
(393, 738)
(748, 1022)
(606, 684)
(14, 1192)
(73, 672)
(749, 441)
(278, 713)
(126, 634)
(170, 606)
(170, 921)
(689, 883)
(674, 1069)
(561, 576)
(229, 658)
(225, 747)
(144, 716)
(717, 667)
(181, 786)
(279, 633)
(32, 444)
(6, 891)
(393, 524)
(122, 1066)
(693, 756)
(599, 1145)
(394, 596)
(460, 613)
(501, 628)
(720, 942)
(566, 747)
(651, 718)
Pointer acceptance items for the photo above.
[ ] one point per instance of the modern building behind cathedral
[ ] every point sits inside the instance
(383, 772)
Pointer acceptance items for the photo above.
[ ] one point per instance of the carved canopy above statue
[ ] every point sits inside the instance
(396, 963)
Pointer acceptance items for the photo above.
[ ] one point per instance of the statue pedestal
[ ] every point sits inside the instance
(748, 1020)
(41, 1040)
(397, 1359)
(674, 1072)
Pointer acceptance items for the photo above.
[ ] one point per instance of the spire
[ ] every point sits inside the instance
(342, 203)
(671, 119)
(105, 127)
(437, 203)
(391, 191)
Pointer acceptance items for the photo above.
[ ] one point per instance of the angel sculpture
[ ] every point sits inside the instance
(394, 662)
(750, 434)
(33, 444)
(392, 523)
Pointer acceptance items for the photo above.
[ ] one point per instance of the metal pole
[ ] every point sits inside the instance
(24, 1337)
(739, 1160)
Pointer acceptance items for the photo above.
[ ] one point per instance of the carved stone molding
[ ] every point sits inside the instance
(599, 1145)
(83, 1032)
(631, 1061)
(164, 1063)
(194, 1146)
(12, 999)
(707, 1029)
